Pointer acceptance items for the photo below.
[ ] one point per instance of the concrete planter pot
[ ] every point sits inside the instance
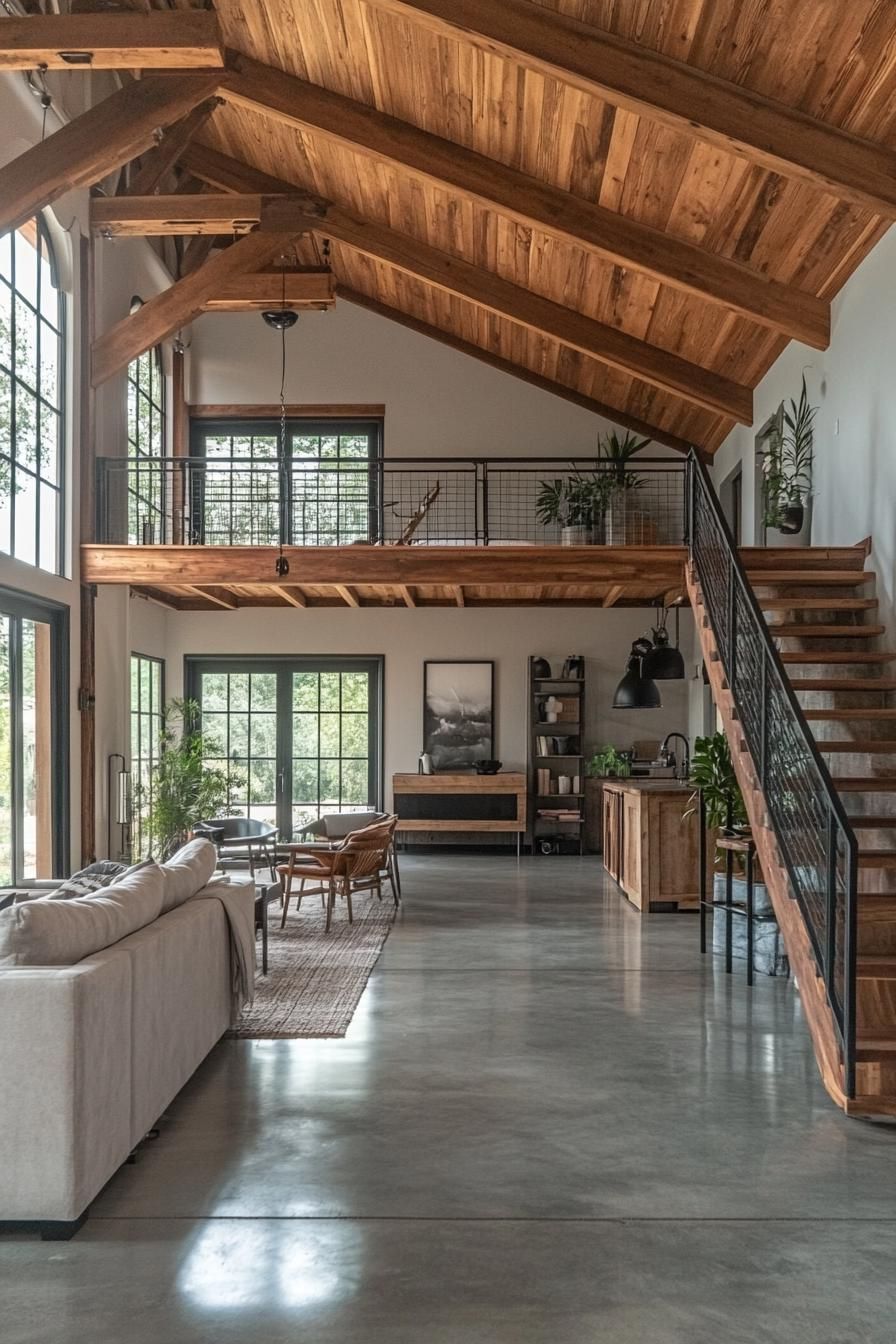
(769, 956)
(577, 536)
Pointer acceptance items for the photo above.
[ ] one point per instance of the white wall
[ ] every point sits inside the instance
(854, 385)
(438, 402)
(407, 637)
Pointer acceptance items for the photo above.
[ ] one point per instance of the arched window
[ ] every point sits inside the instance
(146, 446)
(32, 471)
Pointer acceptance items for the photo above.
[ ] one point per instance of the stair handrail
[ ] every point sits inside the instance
(796, 784)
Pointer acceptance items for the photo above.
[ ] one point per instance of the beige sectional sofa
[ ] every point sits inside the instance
(96, 1042)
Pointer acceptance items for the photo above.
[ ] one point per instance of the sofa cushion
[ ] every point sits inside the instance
(187, 872)
(62, 933)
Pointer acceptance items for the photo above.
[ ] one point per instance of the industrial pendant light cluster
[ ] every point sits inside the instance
(651, 660)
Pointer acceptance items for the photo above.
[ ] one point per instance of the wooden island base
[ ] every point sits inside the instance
(650, 848)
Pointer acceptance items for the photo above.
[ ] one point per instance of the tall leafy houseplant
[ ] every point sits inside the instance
(712, 773)
(616, 454)
(574, 503)
(183, 789)
(787, 465)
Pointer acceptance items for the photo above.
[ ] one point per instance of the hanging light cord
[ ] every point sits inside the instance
(282, 562)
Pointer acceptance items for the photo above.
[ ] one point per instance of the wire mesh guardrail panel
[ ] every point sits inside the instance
(449, 495)
(811, 828)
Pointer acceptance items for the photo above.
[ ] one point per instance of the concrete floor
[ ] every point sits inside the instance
(549, 1122)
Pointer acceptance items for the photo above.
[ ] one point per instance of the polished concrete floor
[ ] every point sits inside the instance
(550, 1123)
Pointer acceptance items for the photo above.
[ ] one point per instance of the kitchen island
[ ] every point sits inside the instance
(650, 848)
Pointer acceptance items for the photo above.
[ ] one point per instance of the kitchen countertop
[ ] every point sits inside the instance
(655, 785)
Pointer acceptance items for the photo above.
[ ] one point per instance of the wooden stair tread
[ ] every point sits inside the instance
(807, 630)
(868, 746)
(817, 603)
(835, 655)
(811, 557)
(876, 966)
(872, 821)
(863, 684)
(877, 858)
(834, 577)
(865, 783)
(874, 1049)
(845, 715)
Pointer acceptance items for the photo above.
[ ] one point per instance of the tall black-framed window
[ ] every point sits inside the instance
(302, 736)
(324, 494)
(32, 466)
(147, 714)
(146, 446)
(34, 669)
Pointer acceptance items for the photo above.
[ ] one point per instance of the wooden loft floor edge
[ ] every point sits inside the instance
(822, 1027)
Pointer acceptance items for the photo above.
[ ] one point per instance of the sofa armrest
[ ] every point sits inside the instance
(65, 1051)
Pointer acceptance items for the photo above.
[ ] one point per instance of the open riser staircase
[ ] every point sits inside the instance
(811, 717)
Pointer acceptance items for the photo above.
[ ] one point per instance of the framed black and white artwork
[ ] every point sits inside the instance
(458, 713)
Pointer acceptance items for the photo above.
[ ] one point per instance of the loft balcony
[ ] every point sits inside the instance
(206, 532)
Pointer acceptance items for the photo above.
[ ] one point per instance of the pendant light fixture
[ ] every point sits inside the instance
(282, 319)
(663, 662)
(636, 690)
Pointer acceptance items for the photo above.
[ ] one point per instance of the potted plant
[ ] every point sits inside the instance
(624, 523)
(183, 789)
(574, 503)
(609, 762)
(712, 773)
(787, 470)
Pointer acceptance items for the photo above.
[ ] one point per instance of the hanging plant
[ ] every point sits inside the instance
(787, 465)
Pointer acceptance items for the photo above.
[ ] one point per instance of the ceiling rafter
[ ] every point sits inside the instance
(152, 40)
(108, 135)
(163, 156)
(567, 218)
(775, 135)
(657, 367)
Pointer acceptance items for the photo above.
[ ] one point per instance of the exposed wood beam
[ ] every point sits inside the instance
(221, 597)
(93, 145)
(458, 591)
(330, 410)
(530, 202)
(312, 289)
(163, 156)
(349, 598)
(347, 567)
(294, 596)
(181, 303)
(166, 600)
(110, 41)
(215, 213)
(196, 253)
(651, 84)
(613, 594)
(659, 368)
(622, 418)
(407, 596)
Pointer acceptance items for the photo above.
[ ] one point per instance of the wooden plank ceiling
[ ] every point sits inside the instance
(835, 62)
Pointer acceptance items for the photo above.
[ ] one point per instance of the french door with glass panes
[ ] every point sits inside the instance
(297, 737)
(33, 739)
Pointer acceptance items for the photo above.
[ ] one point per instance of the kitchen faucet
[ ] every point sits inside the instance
(669, 757)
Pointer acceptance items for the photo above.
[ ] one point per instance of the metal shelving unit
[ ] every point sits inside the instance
(564, 836)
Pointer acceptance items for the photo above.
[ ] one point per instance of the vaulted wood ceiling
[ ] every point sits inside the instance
(835, 62)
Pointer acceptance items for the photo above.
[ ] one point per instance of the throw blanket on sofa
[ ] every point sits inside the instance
(238, 900)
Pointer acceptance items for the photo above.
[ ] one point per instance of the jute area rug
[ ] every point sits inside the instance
(315, 979)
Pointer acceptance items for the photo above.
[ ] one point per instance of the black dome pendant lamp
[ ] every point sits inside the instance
(636, 690)
(664, 663)
(282, 319)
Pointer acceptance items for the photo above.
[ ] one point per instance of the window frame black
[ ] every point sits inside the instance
(132, 712)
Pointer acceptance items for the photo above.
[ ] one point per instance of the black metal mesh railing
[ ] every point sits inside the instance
(336, 501)
(810, 824)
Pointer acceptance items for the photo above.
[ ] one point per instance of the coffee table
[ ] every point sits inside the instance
(265, 894)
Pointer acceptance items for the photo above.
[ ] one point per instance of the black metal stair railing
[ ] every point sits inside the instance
(806, 813)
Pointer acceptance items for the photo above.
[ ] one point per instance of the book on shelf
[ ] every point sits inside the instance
(560, 814)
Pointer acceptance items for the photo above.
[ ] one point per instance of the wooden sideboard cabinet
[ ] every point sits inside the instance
(650, 848)
(461, 802)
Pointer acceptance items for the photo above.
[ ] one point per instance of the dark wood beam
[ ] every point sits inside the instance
(181, 303)
(535, 204)
(206, 213)
(110, 41)
(778, 137)
(162, 157)
(348, 567)
(110, 134)
(621, 418)
(659, 368)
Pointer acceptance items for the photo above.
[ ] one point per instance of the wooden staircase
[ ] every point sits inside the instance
(823, 621)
